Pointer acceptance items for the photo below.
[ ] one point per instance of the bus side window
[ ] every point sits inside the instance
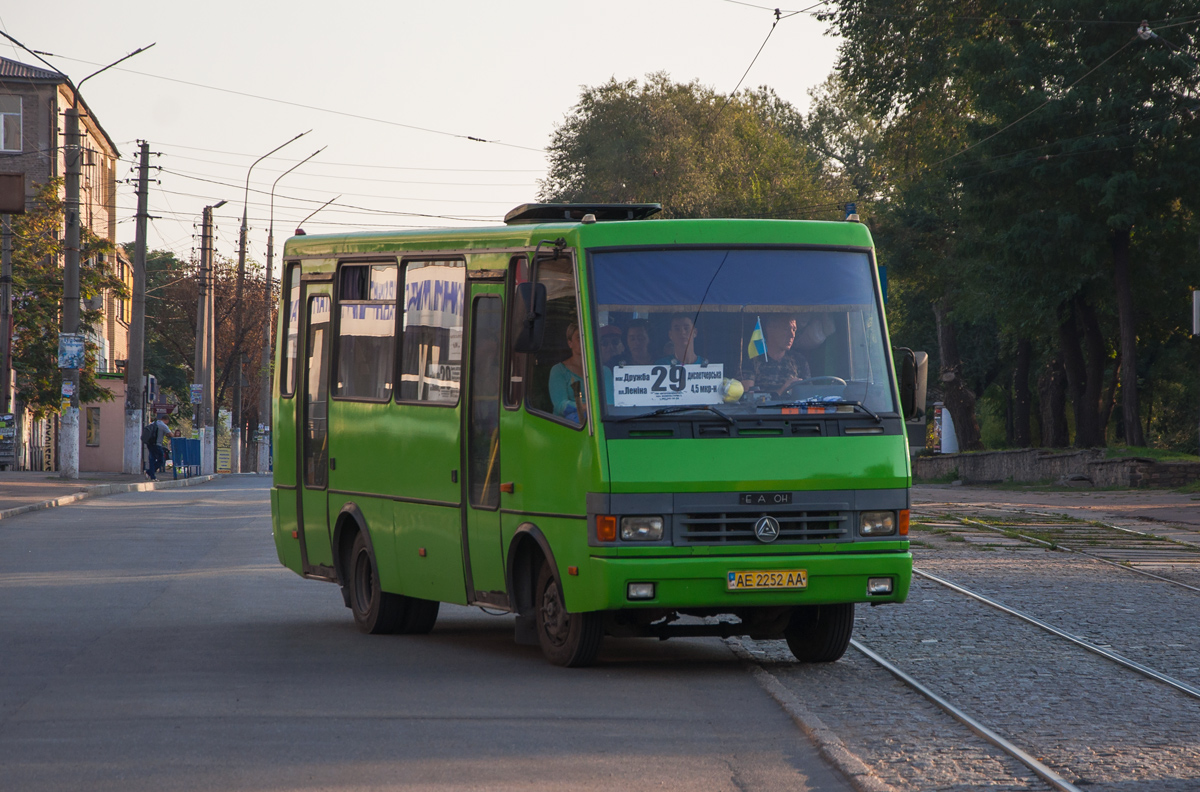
(550, 362)
(432, 334)
(291, 329)
(364, 347)
(518, 362)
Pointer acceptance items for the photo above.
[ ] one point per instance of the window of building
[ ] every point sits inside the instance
(93, 426)
(431, 355)
(10, 123)
(366, 336)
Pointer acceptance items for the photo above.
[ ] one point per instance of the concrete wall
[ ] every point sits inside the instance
(1086, 466)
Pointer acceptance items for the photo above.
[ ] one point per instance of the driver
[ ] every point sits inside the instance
(782, 366)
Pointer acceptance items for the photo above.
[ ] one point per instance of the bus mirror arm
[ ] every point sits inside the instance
(913, 372)
(533, 327)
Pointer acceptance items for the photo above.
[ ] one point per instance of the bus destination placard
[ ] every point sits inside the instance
(660, 385)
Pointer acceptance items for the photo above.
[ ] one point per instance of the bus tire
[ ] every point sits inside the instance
(420, 616)
(820, 633)
(375, 611)
(567, 639)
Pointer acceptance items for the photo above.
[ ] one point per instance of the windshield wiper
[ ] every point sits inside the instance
(826, 402)
(678, 409)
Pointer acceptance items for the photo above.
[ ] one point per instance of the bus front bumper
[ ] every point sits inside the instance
(680, 583)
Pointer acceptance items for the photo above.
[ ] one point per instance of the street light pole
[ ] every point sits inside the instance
(264, 388)
(68, 432)
(235, 444)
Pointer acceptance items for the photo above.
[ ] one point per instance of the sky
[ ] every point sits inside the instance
(389, 92)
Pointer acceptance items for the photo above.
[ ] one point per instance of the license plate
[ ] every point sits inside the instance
(752, 580)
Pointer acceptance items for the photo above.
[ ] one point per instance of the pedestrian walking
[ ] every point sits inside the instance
(153, 436)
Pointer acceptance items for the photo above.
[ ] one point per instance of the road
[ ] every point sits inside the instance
(151, 641)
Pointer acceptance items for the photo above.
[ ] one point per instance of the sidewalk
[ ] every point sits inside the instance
(22, 492)
(1173, 515)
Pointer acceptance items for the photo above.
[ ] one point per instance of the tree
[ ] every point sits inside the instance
(698, 153)
(1072, 161)
(37, 302)
(172, 298)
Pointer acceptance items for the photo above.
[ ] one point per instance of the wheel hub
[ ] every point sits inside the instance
(554, 615)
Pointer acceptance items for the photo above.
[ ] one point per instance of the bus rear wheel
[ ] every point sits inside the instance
(567, 639)
(820, 633)
(375, 611)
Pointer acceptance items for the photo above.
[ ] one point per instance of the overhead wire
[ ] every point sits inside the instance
(360, 208)
(1034, 110)
(372, 166)
(316, 108)
(345, 177)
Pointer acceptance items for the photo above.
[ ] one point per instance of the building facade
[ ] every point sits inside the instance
(33, 106)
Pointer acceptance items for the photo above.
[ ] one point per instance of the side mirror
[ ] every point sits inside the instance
(913, 372)
(530, 311)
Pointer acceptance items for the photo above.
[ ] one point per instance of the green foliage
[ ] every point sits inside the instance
(683, 145)
(1020, 141)
(37, 301)
(170, 325)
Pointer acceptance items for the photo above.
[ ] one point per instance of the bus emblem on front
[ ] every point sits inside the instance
(766, 529)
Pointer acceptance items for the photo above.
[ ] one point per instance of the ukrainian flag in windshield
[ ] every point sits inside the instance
(757, 345)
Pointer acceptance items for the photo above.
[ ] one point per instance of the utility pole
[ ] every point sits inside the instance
(205, 368)
(6, 314)
(264, 387)
(137, 324)
(235, 444)
(68, 431)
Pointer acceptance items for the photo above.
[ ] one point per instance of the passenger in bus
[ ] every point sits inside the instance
(637, 344)
(566, 381)
(812, 330)
(567, 373)
(782, 366)
(611, 345)
(682, 337)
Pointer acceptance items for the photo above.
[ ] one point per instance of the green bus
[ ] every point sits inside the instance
(602, 423)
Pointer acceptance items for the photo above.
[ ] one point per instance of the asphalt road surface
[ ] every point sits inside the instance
(151, 641)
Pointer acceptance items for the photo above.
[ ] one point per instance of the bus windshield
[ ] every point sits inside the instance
(742, 331)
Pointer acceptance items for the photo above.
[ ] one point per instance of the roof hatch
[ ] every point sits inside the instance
(574, 212)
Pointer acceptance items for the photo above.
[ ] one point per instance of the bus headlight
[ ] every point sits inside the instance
(877, 523)
(641, 529)
(877, 587)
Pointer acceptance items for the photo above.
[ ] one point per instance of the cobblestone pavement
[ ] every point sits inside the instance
(1101, 726)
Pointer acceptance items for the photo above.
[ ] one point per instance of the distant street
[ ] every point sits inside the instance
(151, 641)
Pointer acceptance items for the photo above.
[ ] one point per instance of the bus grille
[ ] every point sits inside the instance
(738, 528)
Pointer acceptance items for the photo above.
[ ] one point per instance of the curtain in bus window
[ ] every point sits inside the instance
(366, 332)
(431, 360)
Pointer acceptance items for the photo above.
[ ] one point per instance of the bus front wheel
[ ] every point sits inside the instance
(820, 633)
(375, 611)
(567, 639)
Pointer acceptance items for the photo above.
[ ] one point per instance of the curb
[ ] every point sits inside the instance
(101, 490)
(829, 745)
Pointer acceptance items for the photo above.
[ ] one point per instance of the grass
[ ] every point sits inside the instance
(1157, 454)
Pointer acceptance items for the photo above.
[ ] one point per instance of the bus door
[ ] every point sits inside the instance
(313, 440)
(483, 549)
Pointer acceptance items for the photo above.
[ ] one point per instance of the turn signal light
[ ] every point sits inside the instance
(904, 522)
(606, 528)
